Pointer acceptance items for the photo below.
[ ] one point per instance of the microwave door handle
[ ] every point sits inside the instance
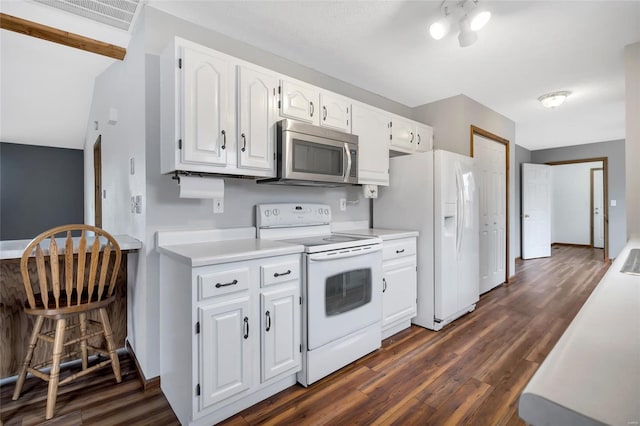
(347, 169)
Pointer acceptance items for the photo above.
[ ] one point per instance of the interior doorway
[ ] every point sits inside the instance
(596, 198)
(492, 154)
(97, 181)
(603, 213)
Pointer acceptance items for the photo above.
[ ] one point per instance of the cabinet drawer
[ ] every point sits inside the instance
(276, 273)
(398, 248)
(224, 282)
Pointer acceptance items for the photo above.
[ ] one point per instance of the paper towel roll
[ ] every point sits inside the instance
(201, 187)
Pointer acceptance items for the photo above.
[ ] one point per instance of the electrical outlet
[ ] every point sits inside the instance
(133, 204)
(138, 204)
(218, 205)
(343, 204)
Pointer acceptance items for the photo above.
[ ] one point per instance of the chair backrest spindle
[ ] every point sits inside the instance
(68, 267)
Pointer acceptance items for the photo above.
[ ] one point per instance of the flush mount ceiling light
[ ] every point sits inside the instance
(552, 100)
(470, 17)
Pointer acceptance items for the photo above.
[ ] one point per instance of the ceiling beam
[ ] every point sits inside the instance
(55, 35)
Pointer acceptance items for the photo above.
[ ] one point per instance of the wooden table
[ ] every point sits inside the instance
(15, 326)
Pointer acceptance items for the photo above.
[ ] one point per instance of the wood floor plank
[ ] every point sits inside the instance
(471, 372)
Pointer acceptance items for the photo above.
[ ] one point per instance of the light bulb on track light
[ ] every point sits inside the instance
(478, 19)
(439, 29)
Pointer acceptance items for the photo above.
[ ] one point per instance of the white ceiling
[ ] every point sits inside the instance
(527, 49)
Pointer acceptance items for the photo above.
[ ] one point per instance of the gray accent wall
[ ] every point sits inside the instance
(523, 155)
(40, 188)
(615, 152)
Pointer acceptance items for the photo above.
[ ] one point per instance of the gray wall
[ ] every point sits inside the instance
(523, 155)
(40, 188)
(615, 152)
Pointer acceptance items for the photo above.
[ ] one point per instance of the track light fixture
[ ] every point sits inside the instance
(470, 17)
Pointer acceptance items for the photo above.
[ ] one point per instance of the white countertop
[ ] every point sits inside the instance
(592, 375)
(202, 247)
(12, 249)
(383, 234)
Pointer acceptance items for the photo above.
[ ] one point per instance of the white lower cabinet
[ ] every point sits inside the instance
(399, 286)
(225, 354)
(230, 334)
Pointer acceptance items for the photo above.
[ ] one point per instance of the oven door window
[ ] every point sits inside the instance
(316, 158)
(347, 291)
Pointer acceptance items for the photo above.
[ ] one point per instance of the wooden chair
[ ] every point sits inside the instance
(66, 288)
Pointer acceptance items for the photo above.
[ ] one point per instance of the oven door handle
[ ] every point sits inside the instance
(341, 254)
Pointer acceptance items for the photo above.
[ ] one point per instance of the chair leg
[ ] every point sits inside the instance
(27, 359)
(83, 342)
(54, 376)
(111, 346)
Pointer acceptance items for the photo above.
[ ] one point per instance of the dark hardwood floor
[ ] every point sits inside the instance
(472, 372)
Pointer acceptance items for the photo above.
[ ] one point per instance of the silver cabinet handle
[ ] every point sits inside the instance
(244, 142)
(224, 140)
(419, 139)
(411, 140)
(268, 315)
(246, 327)
(312, 108)
(384, 285)
(324, 113)
(399, 251)
(234, 282)
(280, 274)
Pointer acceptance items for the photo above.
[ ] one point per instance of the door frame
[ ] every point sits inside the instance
(97, 182)
(605, 193)
(488, 135)
(591, 203)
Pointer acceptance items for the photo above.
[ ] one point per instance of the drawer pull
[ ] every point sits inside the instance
(246, 327)
(276, 274)
(234, 282)
(399, 251)
(384, 285)
(268, 315)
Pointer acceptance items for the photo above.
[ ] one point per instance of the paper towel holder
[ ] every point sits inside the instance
(176, 175)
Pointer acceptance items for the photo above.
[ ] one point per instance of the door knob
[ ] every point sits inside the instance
(526, 215)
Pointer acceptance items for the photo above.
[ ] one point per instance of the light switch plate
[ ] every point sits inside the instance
(218, 205)
(613, 203)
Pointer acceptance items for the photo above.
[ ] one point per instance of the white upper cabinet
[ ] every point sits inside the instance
(299, 101)
(424, 137)
(372, 127)
(403, 135)
(256, 119)
(335, 112)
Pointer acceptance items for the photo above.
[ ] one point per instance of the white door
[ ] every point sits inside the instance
(372, 127)
(335, 112)
(598, 209)
(280, 330)
(491, 170)
(205, 108)
(398, 289)
(299, 101)
(224, 350)
(536, 210)
(256, 118)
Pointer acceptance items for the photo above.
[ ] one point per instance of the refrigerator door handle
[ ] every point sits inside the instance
(460, 210)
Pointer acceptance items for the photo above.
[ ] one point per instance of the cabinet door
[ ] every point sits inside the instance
(399, 290)
(403, 137)
(224, 350)
(280, 330)
(256, 118)
(205, 107)
(299, 101)
(335, 112)
(372, 127)
(424, 137)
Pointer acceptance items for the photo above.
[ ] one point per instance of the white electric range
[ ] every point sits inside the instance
(341, 289)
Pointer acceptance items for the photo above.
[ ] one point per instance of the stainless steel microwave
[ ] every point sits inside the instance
(314, 156)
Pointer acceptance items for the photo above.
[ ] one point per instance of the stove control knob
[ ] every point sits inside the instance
(276, 212)
(326, 211)
(267, 213)
(320, 211)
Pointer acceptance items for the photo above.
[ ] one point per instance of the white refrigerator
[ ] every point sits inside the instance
(435, 193)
